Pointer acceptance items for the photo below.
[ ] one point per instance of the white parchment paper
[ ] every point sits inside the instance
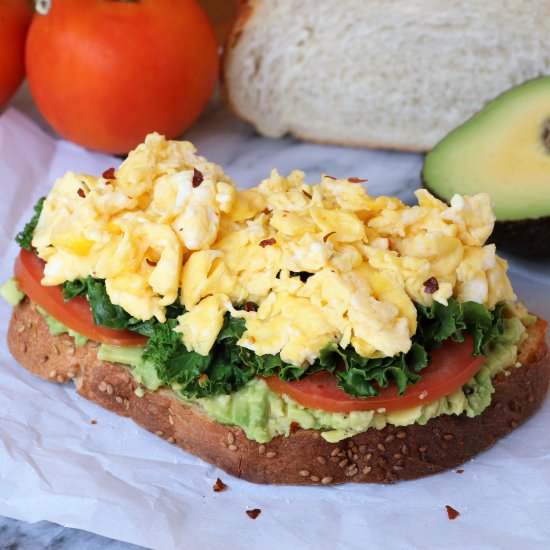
(118, 480)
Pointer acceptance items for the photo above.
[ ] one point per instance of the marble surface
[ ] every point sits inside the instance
(248, 158)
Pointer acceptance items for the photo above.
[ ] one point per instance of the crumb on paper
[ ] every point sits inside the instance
(451, 512)
(253, 514)
(219, 486)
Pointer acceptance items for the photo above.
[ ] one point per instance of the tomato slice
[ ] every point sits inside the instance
(451, 367)
(75, 314)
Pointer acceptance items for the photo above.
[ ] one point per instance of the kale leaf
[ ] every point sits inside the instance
(24, 238)
(229, 366)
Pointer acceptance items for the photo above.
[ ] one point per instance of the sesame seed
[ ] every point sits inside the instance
(367, 470)
(126, 404)
(448, 437)
(69, 351)
(171, 419)
(21, 329)
(321, 460)
(401, 435)
(405, 449)
(314, 478)
(304, 473)
(232, 447)
(530, 399)
(355, 457)
(423, 395)
(368, 457)
(171, 440)
(397, 468)
(397, 455)
(513, 424)
(334, 459)
(350, 453)
(380, 447)
(60, 379)
(343, 463)
(423, 448)
(53, 373)
(271, 454)
(71, 374)
(118, 399)
(223, 444)
(335, 452)
(326, 480)
(390, 438)
(159, 432)
(109, 389)
(261, 449)
(352, 472)
(230, 438)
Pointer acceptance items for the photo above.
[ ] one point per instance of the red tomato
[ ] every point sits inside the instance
(451, 367)
(104, 73)
(75, 314)
(15, 16)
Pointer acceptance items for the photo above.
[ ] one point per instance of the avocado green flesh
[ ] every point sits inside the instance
(263, 414)
(501, 151)
(11, 293)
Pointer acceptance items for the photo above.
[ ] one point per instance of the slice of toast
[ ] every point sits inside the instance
(304, 457)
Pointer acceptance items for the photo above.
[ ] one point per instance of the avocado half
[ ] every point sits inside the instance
(503, 150)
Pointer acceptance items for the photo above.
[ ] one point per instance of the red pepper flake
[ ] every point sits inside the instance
(203, 379)
(356, 180)
(81, 193)
(308, 195)
(94, 421)
(151, 262)
(326, 237)
(219, 486)
(294, 427)
(451, 512)
(109, 174)
(267, 242)
(253, 514)
(431, 285)
(459, 471)
(267, 211)
(197, 177)
(249, 306)
(330, 177)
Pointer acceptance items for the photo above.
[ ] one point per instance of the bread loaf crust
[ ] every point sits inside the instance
(304, 457)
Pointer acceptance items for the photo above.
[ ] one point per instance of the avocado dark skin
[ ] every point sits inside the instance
(502, 150)
(529, 237)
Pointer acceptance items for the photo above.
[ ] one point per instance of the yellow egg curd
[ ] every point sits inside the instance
(313, 263)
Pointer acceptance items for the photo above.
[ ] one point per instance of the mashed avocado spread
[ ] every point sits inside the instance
(263, 414)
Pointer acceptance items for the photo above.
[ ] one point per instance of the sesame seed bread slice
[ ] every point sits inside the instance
(304, 457)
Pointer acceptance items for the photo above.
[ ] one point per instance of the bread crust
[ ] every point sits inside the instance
(304, 457)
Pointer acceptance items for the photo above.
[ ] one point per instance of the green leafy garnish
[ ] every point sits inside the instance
(24, 238)
(229, 366)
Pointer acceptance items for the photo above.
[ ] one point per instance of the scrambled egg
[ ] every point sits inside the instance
(324, 263)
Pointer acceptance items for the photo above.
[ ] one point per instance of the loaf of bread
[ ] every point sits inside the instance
(378, 73)
(304, 457)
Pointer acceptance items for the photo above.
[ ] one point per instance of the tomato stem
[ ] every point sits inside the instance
(43, 7)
